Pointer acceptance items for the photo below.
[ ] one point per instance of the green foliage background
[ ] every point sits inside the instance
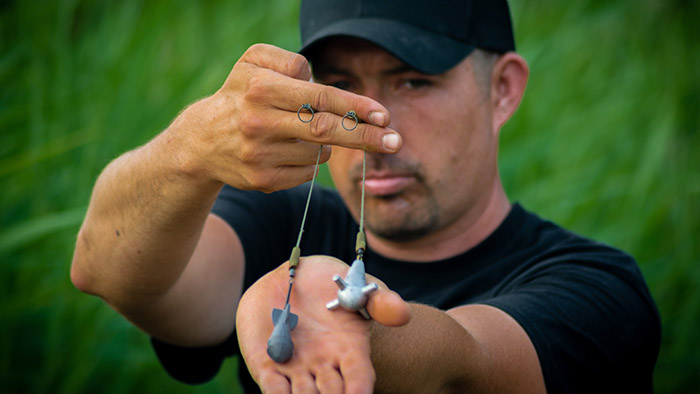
(603, 144)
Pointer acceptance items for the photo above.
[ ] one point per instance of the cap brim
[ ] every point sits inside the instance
(420, 49)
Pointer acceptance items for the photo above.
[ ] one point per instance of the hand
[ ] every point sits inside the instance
(331, 348)
(248, 135)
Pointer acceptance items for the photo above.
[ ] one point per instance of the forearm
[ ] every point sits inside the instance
(142, 225)
(468, 349)
(432, 353)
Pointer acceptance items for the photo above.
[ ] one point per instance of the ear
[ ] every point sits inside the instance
(508, 81)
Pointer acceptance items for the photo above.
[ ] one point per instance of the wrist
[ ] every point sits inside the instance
(185, 159)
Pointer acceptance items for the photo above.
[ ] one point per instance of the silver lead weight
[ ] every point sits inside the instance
(354, 290)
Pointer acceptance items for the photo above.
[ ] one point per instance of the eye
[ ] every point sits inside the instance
(342, 84)
(417, 83)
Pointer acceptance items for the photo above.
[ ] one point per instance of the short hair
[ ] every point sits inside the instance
(482, 63)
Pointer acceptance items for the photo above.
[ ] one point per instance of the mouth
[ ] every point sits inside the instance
(386, 184)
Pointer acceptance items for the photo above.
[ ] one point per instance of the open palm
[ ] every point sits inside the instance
(331, 348)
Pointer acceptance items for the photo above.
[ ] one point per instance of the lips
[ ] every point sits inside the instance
(387, 184)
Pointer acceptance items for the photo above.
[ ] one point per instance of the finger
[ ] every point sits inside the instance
(326, 128)
(272, 93)
(266, 85)
(288, 152)
(303, 383)
(358, 375)
(330, 99)
(279, 60)
(329, 380)
(273, 179)
(304, 153)
(388, 308)
(271, 89)
(273, 383)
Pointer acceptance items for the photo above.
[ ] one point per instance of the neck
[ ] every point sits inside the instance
(463, 234)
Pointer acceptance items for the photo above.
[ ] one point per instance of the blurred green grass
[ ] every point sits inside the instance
(603, 144)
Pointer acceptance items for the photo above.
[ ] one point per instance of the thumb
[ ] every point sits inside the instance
(388, 308)
(279, 60)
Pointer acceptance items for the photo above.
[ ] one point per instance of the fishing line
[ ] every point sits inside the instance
(353, 291)
(280, 347)
(296, 251)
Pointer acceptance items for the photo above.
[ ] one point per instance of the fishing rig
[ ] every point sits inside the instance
(354, 291)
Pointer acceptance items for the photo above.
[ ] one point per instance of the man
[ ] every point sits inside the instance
(498, 299)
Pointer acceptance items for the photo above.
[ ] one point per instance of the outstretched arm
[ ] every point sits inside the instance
(148, 245)
(470, 349)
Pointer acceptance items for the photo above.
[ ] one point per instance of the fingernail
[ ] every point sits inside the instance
(377, 118)
(391, 141)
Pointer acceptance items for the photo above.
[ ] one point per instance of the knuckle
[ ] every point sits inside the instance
(298, 66)
(254, 51)
(321, 129)
(367, 137)
(260, 182)
(322, 101)
(257, 87)
(251, 125)
(256, 47)
(249, 156)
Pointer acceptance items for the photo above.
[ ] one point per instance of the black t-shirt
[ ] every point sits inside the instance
(583, 304)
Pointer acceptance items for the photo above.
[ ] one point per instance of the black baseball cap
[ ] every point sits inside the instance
(430, 36)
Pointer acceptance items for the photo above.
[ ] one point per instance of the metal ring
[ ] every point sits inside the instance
(349, 114)
(305, 106)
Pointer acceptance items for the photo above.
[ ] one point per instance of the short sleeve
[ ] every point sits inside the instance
(592, 321)
(194, 365)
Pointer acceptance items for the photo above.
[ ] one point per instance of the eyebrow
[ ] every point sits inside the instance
(400, 70)
(325, 70)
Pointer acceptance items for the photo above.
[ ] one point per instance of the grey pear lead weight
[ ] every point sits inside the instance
(280, 346)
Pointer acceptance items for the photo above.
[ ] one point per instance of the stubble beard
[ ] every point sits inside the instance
(404, 217)
(421, 219)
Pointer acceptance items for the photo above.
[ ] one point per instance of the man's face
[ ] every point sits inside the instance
(446, 168)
